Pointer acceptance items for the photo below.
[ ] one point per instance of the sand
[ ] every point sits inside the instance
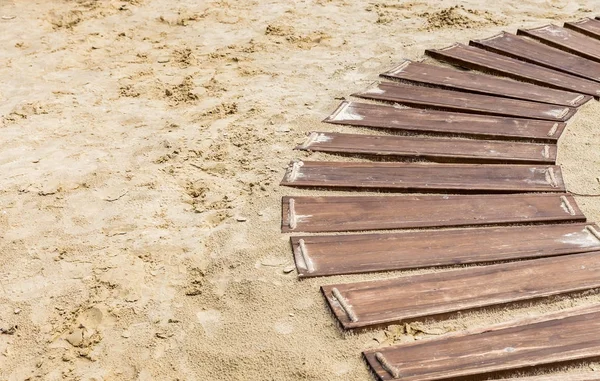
(142, 147)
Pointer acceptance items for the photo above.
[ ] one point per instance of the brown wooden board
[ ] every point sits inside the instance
(535, 52)
(431, 75)
(442, 122)
(440, 99)
(565, 39)
(352, 213)
(479, 59)
(589, 27)
(363, 304)
(570, 335)
(359, 253)
(425, 177)
(581, 376)
(431, 148)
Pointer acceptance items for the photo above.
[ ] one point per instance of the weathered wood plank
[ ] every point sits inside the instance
(589, 27)
(566, 40)
(371, 303)
(431, 75)
(359, 253)
(448, 100)
(479, 59)
(559, 337)
(425, 177)
(579, 376)
(442, 122)
(431, 148)
(535, 52)
(352, 213)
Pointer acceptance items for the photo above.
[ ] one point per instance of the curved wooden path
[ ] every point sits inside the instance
(489, 191)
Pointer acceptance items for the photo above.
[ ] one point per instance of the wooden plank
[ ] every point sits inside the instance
(352, 213)
(425, 177)
(566, 40)
(431, 75)
(364, 304)
(589, 27)
(532, 51)
(479, 59)
(566, 336)
(431, 148)
(442, 122)
(580, 376)
(448, 100)
(360, 253)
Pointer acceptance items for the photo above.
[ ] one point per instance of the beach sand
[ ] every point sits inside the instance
(142, 147)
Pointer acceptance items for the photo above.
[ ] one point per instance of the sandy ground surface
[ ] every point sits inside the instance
(142, 146)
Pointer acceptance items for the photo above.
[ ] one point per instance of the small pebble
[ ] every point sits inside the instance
(17, 311)
(241, 219)
(125, 334)
(163, 59)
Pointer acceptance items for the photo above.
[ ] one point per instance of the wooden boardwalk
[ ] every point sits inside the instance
(486, 144)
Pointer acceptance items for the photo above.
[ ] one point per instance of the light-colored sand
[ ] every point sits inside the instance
(142, 146)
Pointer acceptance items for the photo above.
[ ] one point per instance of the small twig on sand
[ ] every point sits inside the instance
(116, 198)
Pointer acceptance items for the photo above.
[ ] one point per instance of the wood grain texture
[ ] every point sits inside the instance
(448, 100)
(431, 148)
(582, 376)
(570, 335)
(398, 299)
(479, 59)
(566, 40)
(425, 177)
(431, 75)
(535, 52)
(360, 253)
(589, 27)
(352, 213)
(442, 122)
